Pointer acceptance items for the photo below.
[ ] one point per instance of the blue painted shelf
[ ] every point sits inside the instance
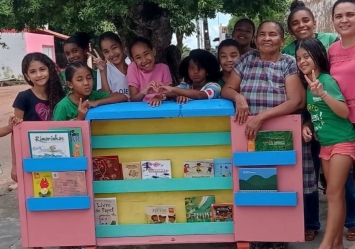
(58, 203)
(162, 185)
(264, 158)
(176, 229)
(55, 164)
(208, 108)
(265, 199)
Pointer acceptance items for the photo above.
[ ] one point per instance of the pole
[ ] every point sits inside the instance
(206, 35)
(198, 32)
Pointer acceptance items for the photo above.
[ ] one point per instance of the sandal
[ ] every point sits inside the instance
(310, 235)
(350, 234)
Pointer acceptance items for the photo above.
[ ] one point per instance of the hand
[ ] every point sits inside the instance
(242, 110)
(150, 88)
(166, 89)
(15, 120)
(182, 99)
(306, 133)
(156, 101)
(100, 64)
(82, 109)
(91, 104)
(315, 86)
(253, 126)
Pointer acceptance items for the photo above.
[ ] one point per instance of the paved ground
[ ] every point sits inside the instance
(9, 223)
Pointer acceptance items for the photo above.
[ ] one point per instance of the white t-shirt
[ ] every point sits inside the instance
(117, 81)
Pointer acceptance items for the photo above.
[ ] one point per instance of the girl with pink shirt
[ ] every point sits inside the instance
(144, 76)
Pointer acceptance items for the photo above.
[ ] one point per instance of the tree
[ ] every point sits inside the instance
(185, 51)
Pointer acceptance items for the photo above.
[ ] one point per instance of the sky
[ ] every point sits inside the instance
(213, 25)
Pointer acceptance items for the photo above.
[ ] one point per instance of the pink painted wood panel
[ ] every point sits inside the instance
(53, 228)
(272, 224)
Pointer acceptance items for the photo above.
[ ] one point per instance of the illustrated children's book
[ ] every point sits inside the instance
(132, 170)
(257, 179)
(76, 139)
(72, 183)
(222, 167)
(156, 169)
(107, 168)
(198, 209)
(106, 211)
(160, 214)
(42, 184)
(222, 212)
(274, 141)
(198, 168)
(44, 144)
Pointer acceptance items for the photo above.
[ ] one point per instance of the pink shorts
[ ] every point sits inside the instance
(347, 149)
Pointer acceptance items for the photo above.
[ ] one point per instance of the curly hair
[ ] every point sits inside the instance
(54, 87)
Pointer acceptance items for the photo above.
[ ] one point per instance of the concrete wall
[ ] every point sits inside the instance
(322, 10)
(40, 43)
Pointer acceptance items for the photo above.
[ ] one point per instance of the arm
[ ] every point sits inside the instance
(136, 95)
(102, 82)
(6, 130)
(189, 93)
(339, 107)
(232, 87)
(112, 98)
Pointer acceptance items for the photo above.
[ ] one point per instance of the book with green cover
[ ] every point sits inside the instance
(198, 209)
(274, 141)
(76, 141)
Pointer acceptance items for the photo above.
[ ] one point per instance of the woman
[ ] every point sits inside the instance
(258, 74)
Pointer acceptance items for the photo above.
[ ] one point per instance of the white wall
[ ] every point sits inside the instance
(11, 56)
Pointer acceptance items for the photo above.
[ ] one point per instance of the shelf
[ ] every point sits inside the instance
(55, 164)
(264, 158)
(58, 203)
(162, 185)
(265, 199)
(144, 230)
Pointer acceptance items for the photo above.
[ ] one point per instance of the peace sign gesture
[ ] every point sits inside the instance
(100, 63)
(315, 86)
(82, 109)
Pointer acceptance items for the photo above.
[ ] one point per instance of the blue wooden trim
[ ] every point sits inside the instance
(162, 185)
(265, 199)
(161, 140)
(145, 230)
(264, 158)
(58, 203)
(55, 164)
(208, 108)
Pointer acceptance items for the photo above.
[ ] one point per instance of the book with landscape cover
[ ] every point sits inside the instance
(257, 179)
(274, 141)
(198, 208)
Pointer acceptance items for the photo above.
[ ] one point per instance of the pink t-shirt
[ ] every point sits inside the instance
(140, 79)
(342, 69)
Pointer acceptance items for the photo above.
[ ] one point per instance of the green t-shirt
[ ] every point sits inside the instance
(64, 81)
(66, 109)
(221, 82)
(329, 127)
(326, 39)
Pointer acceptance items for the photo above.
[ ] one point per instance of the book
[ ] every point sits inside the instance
(107, 168)
(76, 139)
(49, 144)
(274, 141)
(258, 179)
(198, 209)
(222, 167)
(158, 169)
(160, 214)
(222, 212)
(71, 183)
(106, 211)
(42, 184)
(132, 170)
(198, 168)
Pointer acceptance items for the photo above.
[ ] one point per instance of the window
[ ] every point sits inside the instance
(48, 51)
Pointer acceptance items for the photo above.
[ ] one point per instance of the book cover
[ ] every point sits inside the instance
(156, 169)
(71, 183)
(198, 209)
(42, 184)
(160, 214)
(258, 179)
(107, 168)
(222, 212)
(132, 170)
(76, 139)
(198, 168)
(222, 167)
(274, 141)
(106, 211)
(49, 144)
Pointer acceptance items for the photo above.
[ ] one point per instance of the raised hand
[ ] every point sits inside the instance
(82, 109)
(315, 86)
(100, 63)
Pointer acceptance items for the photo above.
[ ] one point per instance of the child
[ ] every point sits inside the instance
(228, 54)
(244, 34)
(144, 76)
(335, 132)
(200, 71)
(82, 97)
(6, 130)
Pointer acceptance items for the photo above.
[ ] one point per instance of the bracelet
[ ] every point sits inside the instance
(324, 94)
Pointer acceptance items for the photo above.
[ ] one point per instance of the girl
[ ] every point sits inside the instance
(228, 54)
(244, 34)
(200, 70)
(302, 24)
(82, 97)
(111, 77)
(76, 48)
(336, 134)
(144, 76)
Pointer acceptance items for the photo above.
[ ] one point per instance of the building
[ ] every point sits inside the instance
(322, 10)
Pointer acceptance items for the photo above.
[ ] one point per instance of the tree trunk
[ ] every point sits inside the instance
(206, 35)
(179, 40)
